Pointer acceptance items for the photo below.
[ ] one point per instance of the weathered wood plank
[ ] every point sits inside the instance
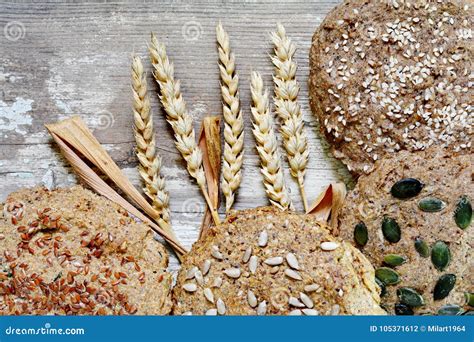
(58, 60)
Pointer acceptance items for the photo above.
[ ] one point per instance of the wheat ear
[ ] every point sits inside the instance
(148, 158)
(178, 117)
(267, 145)
(233, 120)
(287, 108)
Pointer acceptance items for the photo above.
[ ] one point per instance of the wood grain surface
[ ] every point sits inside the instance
(57, 60)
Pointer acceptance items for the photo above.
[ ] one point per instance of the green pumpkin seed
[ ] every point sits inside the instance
(387, 276)
(440, 255)
(394, 260)
(361, 235)
(391, 230)
(450, 310)
(406, 188)
(469, 313)
(469, 298)
(422, 247)
(383, 288)
(463, 212)
(410, 297)
(431, 204)
(443, 286)
(403, 310)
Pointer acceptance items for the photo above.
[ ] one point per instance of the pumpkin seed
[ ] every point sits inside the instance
(391, 230)
(440, 255)
(463, 212)
(443, 286)
(469, 298)
(387, 276)
(410, 297)
(394, 260)
(383, 288)
(406, 188)
(422, 247)
(450, 310)
(361, 235)
(468, 313)
(403, 310)
(431, 204)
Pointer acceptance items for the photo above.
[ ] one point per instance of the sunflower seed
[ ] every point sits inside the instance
(440, 255)
(292, 261)
(274, 261)
(262, 308)
(391, 230)
(469, 298)
(295, 302)
(252, 300)
(295, 312)
(335, 310)
(217, 282)
(443, 286)
(361, 235)
(410, 297)
(190, 273)
(209, 295)
(422, 247)
(394, 260)
(383, 288)
(450, 310)
(293, 274)
(211, 312)
(387, 276)
(253, 263)
(216, 253)
(403, 310)
(220, 307)
(306, 300)
(199, 278)
(247, 254)
(190, 287)
(187, 313)
(310, 312)
(431, 204)
(406, 188)
(232, 272)
(463, 212)
(206, 266)
(311, 287)
(263, 239)
(329, 245)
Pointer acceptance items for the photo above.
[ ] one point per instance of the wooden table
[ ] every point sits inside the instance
(57, 60)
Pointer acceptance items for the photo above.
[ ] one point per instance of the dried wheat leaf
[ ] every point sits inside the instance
(210, 145)
(101, 187)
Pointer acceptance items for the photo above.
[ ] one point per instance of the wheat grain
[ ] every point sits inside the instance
(148, 158)
(287, 108)
(234, 122)
(267, 146)
(178, 117)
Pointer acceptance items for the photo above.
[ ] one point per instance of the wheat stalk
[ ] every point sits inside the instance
(234, 122)
(267, 145)
(178, 117)
(287, 108)
(148, 158)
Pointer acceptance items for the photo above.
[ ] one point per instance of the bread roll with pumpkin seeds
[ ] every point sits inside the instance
(71, 252)
(266, 261)
(412, 218)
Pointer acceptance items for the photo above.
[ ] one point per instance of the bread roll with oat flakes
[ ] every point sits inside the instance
(71, 252)
(273, 262)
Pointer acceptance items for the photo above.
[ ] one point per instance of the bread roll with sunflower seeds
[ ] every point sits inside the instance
(393, 75)
(71, 252)
(412, 218)
(266, 261)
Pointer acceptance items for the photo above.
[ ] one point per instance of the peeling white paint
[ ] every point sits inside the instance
(13, 117)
